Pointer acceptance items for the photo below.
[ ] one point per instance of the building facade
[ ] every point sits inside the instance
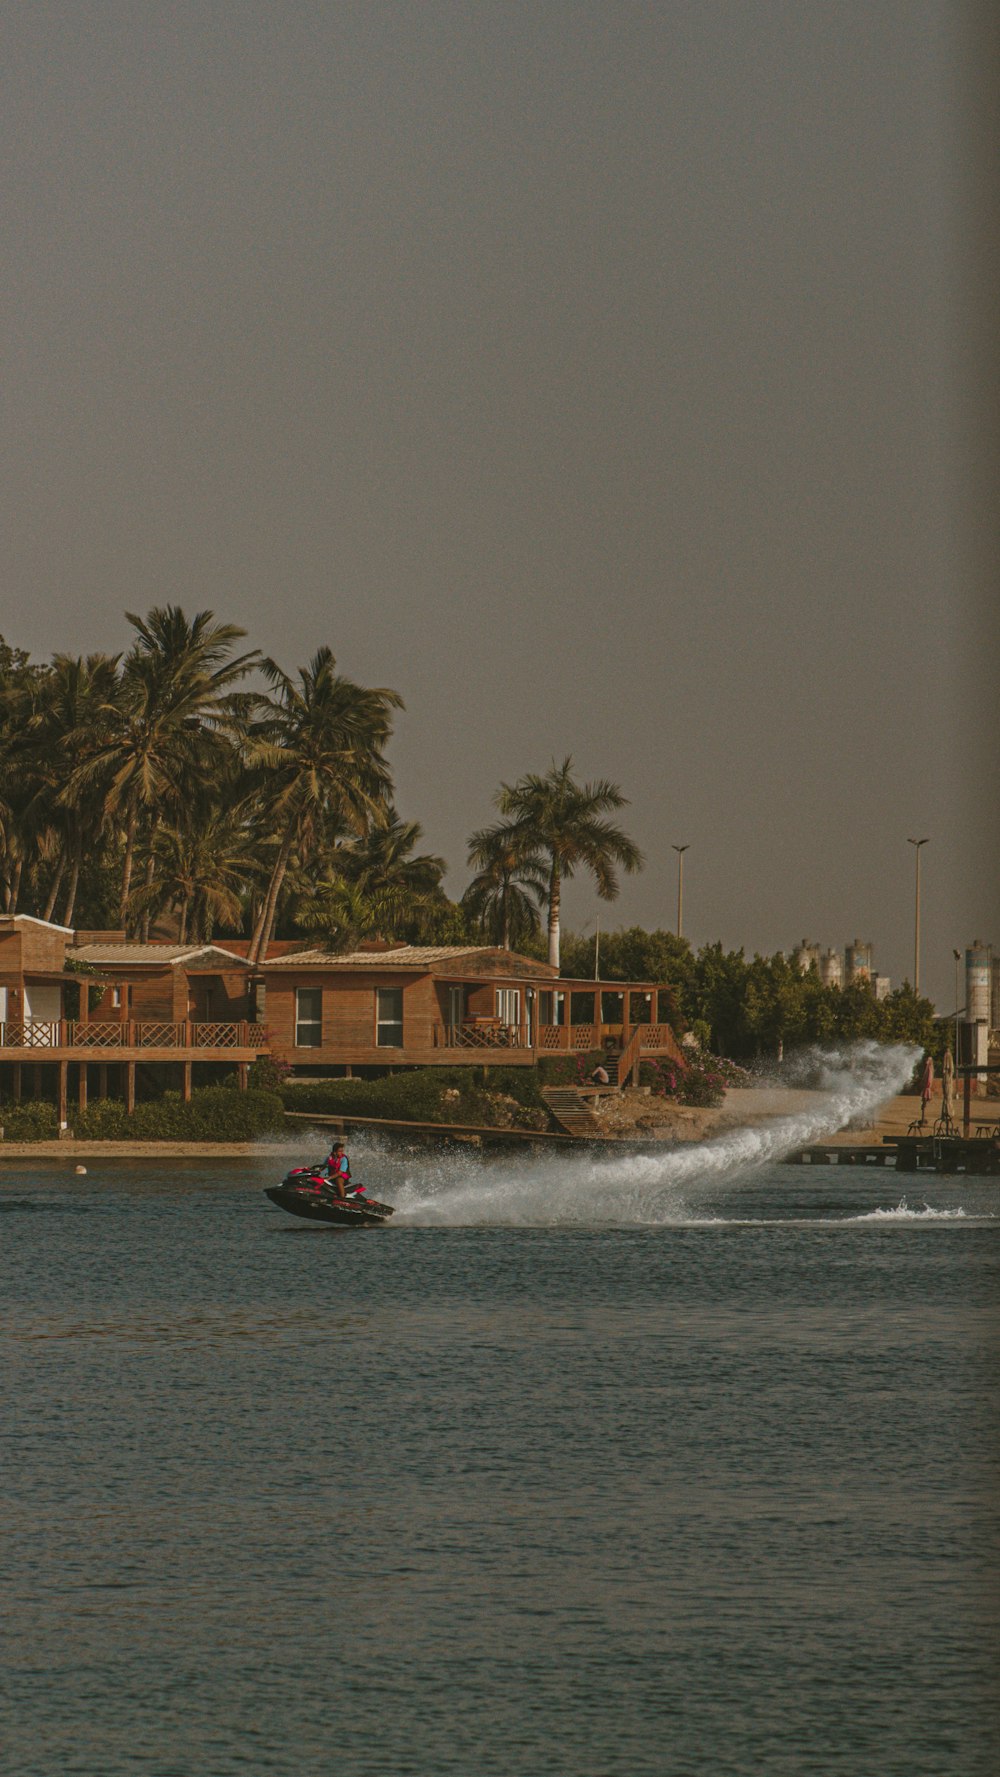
(103, 1012)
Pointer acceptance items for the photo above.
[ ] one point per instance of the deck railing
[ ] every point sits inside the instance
(485, 1034)
(104, 1035)
(579, 1038)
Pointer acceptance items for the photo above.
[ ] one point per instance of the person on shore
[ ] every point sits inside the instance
(600, 1075)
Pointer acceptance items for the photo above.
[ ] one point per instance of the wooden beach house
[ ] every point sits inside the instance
(409, 1005)
(85, 1012)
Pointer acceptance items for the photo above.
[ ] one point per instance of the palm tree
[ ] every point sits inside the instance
(341, 913)
(21, 821)
(564, 822)
(159, 738)
(382, 866)
(505, 895)
(320, 741)
(75, 691)
(203, 864)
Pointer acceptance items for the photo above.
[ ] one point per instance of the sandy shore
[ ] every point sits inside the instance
(633, 1115)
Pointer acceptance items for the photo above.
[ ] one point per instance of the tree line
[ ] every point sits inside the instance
(189, 780)
(755, 1007)
(192, 785)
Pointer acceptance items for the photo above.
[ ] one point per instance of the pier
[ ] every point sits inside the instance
(978, 1155)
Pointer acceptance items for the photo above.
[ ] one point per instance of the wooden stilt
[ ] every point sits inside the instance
(243, 1075)
(81, 1085)
(130, 1087)
(186, 1082)
(63, 1092)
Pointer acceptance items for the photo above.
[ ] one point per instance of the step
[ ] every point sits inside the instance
(570, 1110)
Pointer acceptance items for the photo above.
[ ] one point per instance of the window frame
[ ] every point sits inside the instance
(308, 1024)
(382, 1023)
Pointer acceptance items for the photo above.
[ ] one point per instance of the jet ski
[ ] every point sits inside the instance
(307, 1191)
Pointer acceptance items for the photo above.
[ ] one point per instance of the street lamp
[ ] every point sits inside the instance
(680, 850)
(957, 954)
(917, 843)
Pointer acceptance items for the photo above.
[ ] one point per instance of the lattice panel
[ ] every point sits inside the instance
(103, 1035)
(216, 1036)
(159, 1036)
(36, 1033)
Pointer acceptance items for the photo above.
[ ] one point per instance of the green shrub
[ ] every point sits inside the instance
(702, 1084)
(568, 1070)
(31, 1120)
(661, 1076)
(106, 1119)
(268, 1074)
(425, 1095)
(214, 1113)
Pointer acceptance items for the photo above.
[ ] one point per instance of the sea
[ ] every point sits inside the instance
(667, 1463)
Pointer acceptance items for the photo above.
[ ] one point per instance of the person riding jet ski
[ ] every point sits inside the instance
(339, 1171)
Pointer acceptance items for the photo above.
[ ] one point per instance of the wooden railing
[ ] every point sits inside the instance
(104, 1035)
(567, 1036)
(628, 1060)
(579, 1038)
(490, 1034)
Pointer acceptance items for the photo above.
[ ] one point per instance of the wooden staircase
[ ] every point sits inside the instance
(571, 1110)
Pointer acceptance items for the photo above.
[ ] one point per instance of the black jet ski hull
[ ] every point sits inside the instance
(322, 1206)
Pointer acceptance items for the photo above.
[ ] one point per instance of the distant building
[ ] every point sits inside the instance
(831, 969)
(858, 962)
(975, 1040)
(806, 956)
(837, 968)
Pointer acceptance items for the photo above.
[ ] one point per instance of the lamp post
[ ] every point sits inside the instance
(916, 843)
(680, 850)
(957, 954)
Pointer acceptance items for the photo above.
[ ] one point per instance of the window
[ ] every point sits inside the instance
(389, 1017)
(308, 1017)
(509, 1006)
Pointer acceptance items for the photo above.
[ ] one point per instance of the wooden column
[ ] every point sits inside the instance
(186, 1082)
(102, 1079)
(243, 1075)
(626, 1009)
(63, 1092)
(130, 1087)
(81, 1087)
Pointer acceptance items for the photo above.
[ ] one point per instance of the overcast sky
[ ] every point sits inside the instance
(610, 379)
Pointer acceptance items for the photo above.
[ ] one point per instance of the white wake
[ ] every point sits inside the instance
(542, 1190)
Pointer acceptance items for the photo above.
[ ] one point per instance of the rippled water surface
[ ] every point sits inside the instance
(574, 1468)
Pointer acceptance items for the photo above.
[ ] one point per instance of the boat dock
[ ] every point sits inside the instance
(978, 1155)
(833, 1154)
